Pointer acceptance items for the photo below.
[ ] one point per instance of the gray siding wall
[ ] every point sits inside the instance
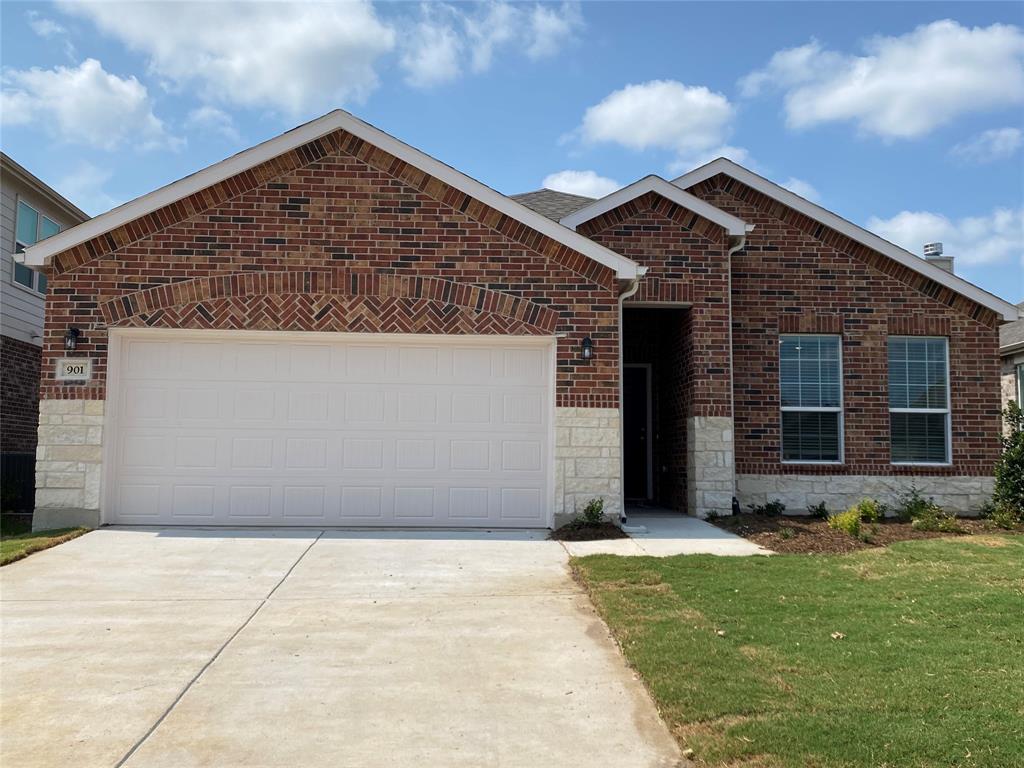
(21, 310)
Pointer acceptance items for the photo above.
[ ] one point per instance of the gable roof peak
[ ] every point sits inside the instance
(654, 183)
(42, 253)
(734, 170)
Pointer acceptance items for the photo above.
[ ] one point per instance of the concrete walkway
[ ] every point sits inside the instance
(307, 648)
(667, 534)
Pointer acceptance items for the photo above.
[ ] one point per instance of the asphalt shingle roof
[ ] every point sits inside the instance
(1012, 334)
(554, 205)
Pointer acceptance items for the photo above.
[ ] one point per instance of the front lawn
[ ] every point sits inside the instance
(911, 655)
(16, 546)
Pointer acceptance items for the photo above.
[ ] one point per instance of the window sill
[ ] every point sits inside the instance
(26, 289)
(791, 463)
(920, 464)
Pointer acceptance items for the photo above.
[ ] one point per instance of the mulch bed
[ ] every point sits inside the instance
(805, 535)
(571, 532)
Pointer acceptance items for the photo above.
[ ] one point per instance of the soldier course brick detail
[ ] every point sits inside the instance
(336, 235)
(796, 276)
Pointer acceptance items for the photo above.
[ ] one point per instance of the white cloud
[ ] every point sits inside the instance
(803, 188)
(551, 28)
(447, 39)
(83, 105)
(43, 26)
(586, 183)
(902, 87)
(287, 56)
(662, 114)
(84, 187)
(991, 239)
(989, 146)
(212, 120)
(432, 48)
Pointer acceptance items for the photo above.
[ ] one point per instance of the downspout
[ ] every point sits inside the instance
(740, 243)
(631, 288)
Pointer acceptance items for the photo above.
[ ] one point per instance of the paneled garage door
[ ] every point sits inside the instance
(238, 428)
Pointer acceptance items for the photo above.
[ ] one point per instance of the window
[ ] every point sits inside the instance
(1020, 385)
(31, 227)
(918, 400)
(810, 382)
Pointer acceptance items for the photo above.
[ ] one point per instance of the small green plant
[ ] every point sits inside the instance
(1001, 515)
(849, 522)
(870, 510)
(912, 505)
(592, 515)
(1009, 469)
(773, 508)
(786, 532)
(819, 511)
(934, 518)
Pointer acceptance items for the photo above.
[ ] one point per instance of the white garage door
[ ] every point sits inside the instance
(238, 428)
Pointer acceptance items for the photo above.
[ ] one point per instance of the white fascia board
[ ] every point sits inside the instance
(658, 185)
(39, 254)
(859, 234)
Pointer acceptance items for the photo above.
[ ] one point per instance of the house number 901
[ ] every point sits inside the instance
(74, 369)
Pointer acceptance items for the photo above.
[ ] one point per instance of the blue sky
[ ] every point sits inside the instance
(906, 117)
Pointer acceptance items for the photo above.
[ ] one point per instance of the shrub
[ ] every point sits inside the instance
(592, 515)
(1009, 469)
(1001, 515)
(912, 505)
(848, 522)
(819, 511)
(870, 510)
(773, 508)
(934, 518)
(786, 532)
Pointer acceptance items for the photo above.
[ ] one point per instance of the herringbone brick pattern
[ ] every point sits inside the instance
(351, 314)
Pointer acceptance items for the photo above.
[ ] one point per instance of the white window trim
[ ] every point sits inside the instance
(805, 409)
(948, 410)
(1019, 370)
(34, 288)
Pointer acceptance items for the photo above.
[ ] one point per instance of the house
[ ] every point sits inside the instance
(333, 328)
(29, 211)
(1011, 352)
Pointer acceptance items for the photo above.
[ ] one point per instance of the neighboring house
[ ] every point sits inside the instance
(1011, 351)
(333, 328)
(30, 211)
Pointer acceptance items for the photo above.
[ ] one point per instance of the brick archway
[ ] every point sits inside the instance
(330, 301)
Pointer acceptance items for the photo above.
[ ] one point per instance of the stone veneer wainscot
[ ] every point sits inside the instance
(69, 462)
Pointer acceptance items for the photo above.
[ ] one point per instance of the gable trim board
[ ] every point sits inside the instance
(734, 226)
(858, 234)
(40, 255)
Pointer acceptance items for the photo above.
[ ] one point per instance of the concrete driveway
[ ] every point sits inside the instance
(313, 648)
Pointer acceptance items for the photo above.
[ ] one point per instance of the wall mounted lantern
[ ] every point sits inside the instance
(71, 339)
(587, 348)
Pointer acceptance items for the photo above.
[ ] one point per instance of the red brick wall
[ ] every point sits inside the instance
(798, 276)
(19, 395)
(338, 236)
(686, 257)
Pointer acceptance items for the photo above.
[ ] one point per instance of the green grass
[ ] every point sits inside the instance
(15, 546)
(930, 671)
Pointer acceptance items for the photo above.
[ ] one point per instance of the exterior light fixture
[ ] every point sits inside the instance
(71, 339)
(587, 348)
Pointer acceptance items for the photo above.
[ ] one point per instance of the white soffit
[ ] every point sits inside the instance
(851, 230)
(40, 254)
(660, 186)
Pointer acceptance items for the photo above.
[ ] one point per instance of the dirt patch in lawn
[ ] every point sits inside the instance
(575, 532)
(806, 535)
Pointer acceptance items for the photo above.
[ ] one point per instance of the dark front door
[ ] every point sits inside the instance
(636, 408)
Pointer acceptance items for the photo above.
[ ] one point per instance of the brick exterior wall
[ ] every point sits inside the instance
(796, 275)
(19, 402)
(336, 235)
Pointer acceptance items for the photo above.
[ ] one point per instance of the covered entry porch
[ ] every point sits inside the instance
(677, 427)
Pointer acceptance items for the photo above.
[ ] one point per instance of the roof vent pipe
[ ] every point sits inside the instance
(933, 254)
